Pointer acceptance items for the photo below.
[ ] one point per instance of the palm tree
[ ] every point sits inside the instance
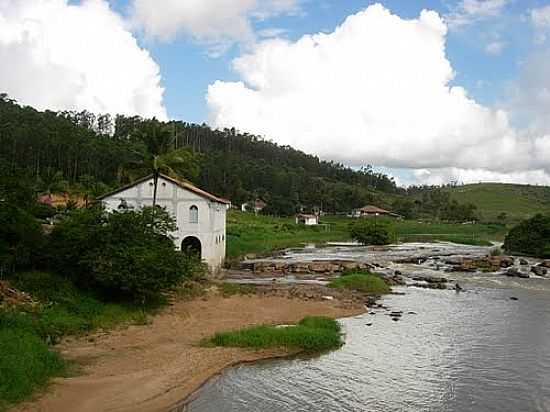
(159, 157)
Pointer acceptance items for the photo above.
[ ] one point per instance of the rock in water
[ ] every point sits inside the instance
(539, 270)
(513, 298)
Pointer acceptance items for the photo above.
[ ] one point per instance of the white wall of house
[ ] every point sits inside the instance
(210, 228)
(307, 220)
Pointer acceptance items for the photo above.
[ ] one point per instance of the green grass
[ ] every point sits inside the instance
(517, 201)
(362, 282)
(312, 334)
(26, 360)
(248, 233)
(25, 363)
(231, 289)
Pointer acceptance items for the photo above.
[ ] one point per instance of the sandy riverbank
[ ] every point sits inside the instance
(153, 367)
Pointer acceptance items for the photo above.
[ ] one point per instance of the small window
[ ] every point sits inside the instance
(193, 214)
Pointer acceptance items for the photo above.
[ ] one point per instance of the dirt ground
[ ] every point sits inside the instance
(153, 367)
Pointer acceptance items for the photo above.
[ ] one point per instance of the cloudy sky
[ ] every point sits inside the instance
(428, 91)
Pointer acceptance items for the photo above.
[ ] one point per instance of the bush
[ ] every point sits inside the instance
(26, 362)
(311, 334)
(122, 254)
(530, 237)
(21, 238)
(362, 282)
(371, 232)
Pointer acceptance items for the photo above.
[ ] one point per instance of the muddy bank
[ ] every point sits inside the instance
(153, 367)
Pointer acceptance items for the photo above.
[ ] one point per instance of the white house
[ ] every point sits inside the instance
(308, 220)
(200, 216)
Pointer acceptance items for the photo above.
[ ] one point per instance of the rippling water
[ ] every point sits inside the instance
(472, 351)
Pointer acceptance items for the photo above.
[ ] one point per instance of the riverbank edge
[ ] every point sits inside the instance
(60, 395)
(287, 355)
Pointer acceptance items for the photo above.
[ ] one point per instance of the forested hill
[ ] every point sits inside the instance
(81, 151)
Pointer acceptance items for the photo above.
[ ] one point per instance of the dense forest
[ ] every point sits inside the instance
(70, 149)
(91, 154)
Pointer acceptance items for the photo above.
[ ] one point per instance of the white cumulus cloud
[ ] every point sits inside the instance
(218, 23)
(377, 90)
(61, 56)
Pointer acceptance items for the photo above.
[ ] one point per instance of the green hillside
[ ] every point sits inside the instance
(492, 199)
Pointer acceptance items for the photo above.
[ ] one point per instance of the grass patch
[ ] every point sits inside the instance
(311, 334)
(361, 281)
(248, 233)
(26, 361)
(231, 289)
(256, 234)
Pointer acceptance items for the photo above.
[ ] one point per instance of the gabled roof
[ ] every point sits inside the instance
(373, 209)
(179, 183)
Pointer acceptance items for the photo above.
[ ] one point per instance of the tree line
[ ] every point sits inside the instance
(88, 152)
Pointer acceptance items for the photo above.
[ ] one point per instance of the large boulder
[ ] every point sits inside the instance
(513, 272)
(539, 270)
(545, 263)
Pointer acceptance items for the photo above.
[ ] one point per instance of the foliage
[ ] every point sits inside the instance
(121, 253)
(231, 289)
(26, 361)
(248, 233)
(58, 149)
(279, 206)
(311, 334)
(64, 309)
(371, 231)
(530, 237)
(21, 238)
(361, 281)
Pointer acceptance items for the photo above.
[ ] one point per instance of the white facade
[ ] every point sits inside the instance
(308, 220)
(199, 215)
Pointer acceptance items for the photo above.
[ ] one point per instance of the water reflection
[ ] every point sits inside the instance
(473, 351)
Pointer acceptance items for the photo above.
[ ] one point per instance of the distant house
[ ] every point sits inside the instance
(255, 206)
(61, 200)
(308, 220)
(373, 211)
(200, 216)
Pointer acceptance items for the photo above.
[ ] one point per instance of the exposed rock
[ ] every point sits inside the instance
(417, 260)
(513, 272)
(513, 298)
(545, 264)
(539, 270)
(523, 261)
(430, 279)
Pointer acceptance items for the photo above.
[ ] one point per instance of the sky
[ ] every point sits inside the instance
(427, 91)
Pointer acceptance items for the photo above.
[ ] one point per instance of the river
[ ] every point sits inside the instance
(477, 350)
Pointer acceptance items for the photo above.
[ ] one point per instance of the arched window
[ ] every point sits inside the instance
(193, 214)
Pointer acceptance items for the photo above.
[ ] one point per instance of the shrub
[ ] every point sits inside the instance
(530, 237)
(362, 282)
(311, 334)
(21, 238)
(26, 362)
(371, 232)
(123, 254)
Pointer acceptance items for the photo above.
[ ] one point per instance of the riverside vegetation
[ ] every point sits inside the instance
(311, 334)
(95, 270)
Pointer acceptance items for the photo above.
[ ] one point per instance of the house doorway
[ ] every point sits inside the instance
(192, 246)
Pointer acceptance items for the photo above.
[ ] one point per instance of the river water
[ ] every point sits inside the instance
(477, 350)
